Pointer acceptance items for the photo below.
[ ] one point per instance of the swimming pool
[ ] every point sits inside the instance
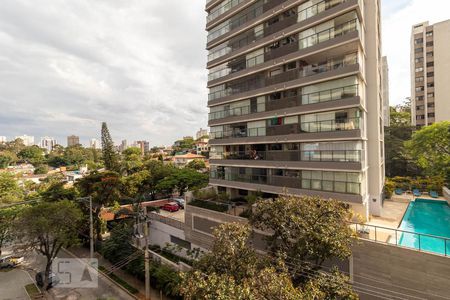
(429, 217)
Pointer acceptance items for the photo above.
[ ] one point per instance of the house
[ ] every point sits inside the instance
(183, 159)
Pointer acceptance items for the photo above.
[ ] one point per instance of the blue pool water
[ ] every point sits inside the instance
(426, 217)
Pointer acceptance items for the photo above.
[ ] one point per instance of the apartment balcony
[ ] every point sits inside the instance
(347, 191)
(241, 67)
(233, 30)
(325, 126)
(345, 160)
(326, 96)
(293, 155)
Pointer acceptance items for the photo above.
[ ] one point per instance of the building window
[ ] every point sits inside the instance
(430, 85)
(430, 74)
(419, 79)
(419, 59)
(429, 33)
(430, 54)
(430, 95)
(419, 98)
(418, 41)
(418, 50)
(430, 105)
(430, 64)
(429, 44)
(431, 115)
(421, 117)
(420, 89)
(419, 69)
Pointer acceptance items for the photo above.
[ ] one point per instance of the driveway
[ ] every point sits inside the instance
(12, 284)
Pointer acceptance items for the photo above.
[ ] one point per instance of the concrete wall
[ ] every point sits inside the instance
(392, 271)
(160, 235)
(446, 193)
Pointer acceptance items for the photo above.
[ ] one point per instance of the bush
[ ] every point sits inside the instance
(427, 184)
(205, 194)
(120, 281)
(389, 188)
(209, 205)
(41, 169)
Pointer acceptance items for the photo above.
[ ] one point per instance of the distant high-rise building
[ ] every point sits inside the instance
(94, 144)
(143, 145)
(48, 143)
(201, 133)
(430, 68)
(73, 140)
(3, 139)
(385, 91)
(26, 139)
(123, 145)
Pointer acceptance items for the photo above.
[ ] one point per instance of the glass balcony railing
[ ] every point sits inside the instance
(222, 8)
(328, 34)
(304, 127)
(291, 182)
(303, 15)
(292, 155)
(311, 98)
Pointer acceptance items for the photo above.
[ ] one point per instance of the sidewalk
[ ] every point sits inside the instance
(136, 283)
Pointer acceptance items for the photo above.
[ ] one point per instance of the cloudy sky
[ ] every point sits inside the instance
(66, 66)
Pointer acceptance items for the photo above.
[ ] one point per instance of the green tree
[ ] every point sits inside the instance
(7, 158)
(110, 156)
(32, 154)
(430, 147)
(306, 230)
(14, 146)
(233, 270)
(104, 188)
(47, 227)
(398, 161)
(7, 217)
(183, 180)
(41, 169)
(77, 155)
(399, 117)
(196, 164)
(131, 160)
(119, 245)
(9, 189)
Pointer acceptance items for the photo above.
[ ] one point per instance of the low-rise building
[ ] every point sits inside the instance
(184, 159)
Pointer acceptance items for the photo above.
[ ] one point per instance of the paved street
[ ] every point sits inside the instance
(12, 284)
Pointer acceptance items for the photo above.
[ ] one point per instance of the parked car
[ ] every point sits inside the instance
(53, 279)
(171, 206)
(5, 262)
(10, 261)
(179, 201)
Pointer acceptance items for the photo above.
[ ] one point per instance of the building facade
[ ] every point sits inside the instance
(26, 139)
(73, 140)
(430, 65)
(48, 143)
(94, 144)
(3, 139)
(295, 99)
(201, 133)
(385, 89)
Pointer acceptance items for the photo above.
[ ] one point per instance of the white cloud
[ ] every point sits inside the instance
(66, 65)
(397, 23)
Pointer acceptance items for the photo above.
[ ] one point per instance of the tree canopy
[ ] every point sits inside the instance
(430, 148)
(47, 227)
(9, 189)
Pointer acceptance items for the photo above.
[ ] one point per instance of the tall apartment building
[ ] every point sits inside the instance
(48, 143)
(295, 99)
(3, 139)
(73, 140)
(94, 144)
(385, 90)
(430, 66)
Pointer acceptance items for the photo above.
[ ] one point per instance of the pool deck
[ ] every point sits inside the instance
(391, 217)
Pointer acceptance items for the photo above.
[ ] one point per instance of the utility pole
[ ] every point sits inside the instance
(146, 256)
(91, 229)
